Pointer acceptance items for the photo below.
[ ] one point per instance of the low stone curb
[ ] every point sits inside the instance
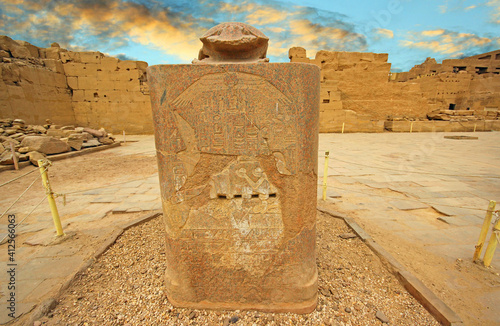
(47, 305)
(413, 285)
(58, 157)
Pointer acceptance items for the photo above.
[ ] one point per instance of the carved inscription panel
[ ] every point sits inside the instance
(237, 155)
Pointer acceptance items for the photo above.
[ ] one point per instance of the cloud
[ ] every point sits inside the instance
(387, 33)
(173, 26)
(104, 25)
(123, 56)
(495, 13)
(450, 43)
(435, 32)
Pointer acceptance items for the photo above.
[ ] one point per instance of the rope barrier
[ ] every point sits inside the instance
(21, 195)
(16, 178)
(36, 206)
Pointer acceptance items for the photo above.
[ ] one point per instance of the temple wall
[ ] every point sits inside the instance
(358, 89)
(83, 88)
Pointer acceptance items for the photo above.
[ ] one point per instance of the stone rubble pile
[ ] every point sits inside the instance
(462, 115)
(34, 142)
(451, 115)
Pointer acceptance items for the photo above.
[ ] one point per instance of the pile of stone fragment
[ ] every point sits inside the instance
(35, 142)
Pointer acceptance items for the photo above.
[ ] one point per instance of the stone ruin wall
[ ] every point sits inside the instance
(73, 88)
(359, 90)
(470, 83)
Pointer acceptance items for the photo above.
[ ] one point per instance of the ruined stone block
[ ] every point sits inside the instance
(74, 56)
(78, 95)
(127, 65)
(54, 65)
(33, 50)
(105, 85)
(142, 65)
(15, 92)
(87, 82)
(30, 74)
(91, 57)
(132, 75)
(237, 156)
(125, 85)
(80, 69)
(60, 81)
(109, 64)
(52, 53)
(72, 82)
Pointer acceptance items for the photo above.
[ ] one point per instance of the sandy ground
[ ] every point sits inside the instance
(464, 294)
(124, 288)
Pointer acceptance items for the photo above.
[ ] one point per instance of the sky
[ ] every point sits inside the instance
(168, 31)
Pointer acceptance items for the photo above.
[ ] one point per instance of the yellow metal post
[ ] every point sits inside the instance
(325, 174)
(411, 127)
(484, 230)
(475, 125)
(343, 125)
(43, 165)
(492, 245)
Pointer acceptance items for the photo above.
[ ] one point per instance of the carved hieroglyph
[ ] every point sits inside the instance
(237, 157)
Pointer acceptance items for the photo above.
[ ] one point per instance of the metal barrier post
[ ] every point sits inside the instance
(484, 230)
(492, 245)
(43, 165)
(325, 174)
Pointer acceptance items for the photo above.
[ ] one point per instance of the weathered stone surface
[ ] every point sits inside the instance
(233, 42)
(90, 143)
(24, 150)
(46, 145)
(35, 156)
(240, 220)
(2, 148)
(77, 137)
(9, 45)
(96, 133)
(23, 157)
(19, 122)
(75, 144)
(105, 140)
(39, 129)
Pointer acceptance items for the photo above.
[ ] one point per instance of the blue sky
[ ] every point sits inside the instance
(166, 31)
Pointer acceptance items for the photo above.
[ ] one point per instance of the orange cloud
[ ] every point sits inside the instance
(449, 43)
(385, 32)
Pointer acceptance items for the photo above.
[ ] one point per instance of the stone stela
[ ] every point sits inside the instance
(237, 140)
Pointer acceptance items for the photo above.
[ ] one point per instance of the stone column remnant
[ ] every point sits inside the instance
(237, 140)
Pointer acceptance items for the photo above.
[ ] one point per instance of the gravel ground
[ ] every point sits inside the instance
(124, 287)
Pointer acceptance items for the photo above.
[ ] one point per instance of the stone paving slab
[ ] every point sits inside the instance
(406, 205)
(461, 220)
(48, 267)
